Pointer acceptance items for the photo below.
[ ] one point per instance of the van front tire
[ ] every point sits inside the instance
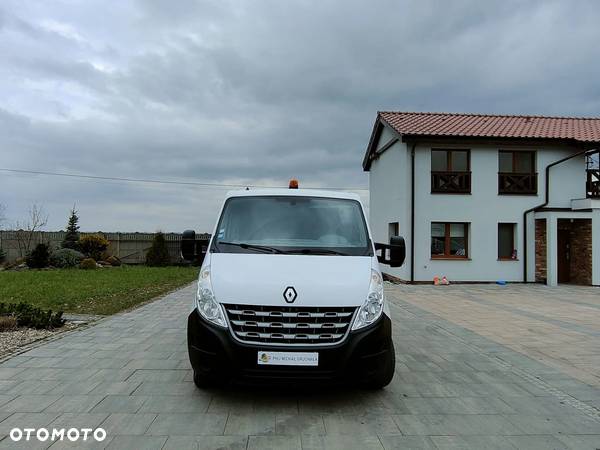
(205, 381)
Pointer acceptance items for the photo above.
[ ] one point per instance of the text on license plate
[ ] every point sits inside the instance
(288, 358)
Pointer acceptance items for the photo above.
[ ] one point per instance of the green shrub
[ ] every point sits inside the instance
(93, 246)
(32, 317)
(39, 257)
(88, 264)
(114, 261)
(66, 257)
(158, 254)
(2, 255)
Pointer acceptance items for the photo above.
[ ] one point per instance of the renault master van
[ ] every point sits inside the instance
(290, 290)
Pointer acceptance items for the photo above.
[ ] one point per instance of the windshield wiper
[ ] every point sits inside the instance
(314, 251)
(264, 248)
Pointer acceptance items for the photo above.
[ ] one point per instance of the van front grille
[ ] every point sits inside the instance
(289, 324)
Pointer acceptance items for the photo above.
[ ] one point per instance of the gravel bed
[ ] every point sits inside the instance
(12, 340)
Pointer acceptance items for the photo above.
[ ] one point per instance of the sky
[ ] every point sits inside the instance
(256, 92)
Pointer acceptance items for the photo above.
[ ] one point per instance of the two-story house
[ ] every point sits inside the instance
(488, 197)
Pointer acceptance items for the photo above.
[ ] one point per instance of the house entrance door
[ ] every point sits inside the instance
(564, 256)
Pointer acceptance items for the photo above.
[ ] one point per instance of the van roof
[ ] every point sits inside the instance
(293, 193)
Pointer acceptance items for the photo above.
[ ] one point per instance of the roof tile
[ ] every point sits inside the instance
(584, 129)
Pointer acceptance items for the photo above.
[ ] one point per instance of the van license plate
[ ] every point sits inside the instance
(288, 359)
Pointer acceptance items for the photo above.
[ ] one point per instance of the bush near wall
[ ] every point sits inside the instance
(93, 246)
(158, 254)
(65, 257)
(32, 317)
(88, 264)
(39, 257)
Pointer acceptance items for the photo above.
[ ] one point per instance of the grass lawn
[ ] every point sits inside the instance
(101, 291)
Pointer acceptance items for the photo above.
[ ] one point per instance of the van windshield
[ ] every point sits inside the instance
(292, 225)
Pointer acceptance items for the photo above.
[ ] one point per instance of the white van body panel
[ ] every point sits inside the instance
(257, 279)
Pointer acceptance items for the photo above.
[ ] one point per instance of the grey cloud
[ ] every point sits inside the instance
(256, 92)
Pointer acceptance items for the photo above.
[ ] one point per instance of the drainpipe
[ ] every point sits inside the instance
(412, 214)
(541, 205)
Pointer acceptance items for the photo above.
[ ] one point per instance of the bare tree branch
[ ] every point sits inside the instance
(25, 232)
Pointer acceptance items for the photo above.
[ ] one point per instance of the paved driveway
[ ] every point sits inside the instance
(464, 380)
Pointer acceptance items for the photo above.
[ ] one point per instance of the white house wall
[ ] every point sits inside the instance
(389, 187)
(483, 209)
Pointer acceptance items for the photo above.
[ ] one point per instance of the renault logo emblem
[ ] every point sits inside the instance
(290, 294)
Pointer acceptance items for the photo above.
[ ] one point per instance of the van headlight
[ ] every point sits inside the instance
(371, 309)
(205, 300)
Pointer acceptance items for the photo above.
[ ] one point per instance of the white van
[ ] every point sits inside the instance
(290, 289)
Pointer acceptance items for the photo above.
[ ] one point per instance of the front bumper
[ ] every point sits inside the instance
(214, 352)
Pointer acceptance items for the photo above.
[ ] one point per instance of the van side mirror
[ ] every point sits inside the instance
(188, 245)
(397, 252)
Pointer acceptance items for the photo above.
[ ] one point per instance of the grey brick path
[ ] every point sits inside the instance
(454, 388)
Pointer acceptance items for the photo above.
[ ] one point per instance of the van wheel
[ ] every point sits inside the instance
(203, 381)
(384, 377)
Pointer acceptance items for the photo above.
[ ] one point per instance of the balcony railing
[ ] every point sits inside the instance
(593, 183)
(517, 183)
(451, 182)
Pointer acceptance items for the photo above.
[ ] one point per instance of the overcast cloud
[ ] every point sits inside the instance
(256, 92)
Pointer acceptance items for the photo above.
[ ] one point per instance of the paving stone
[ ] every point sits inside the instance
(206, 443)
(340, 442)
(188, 424)
(473, 443)
(137, 443)
(127, 423)
(463, 405)
(8, 373)
(119, 403)
(78, 420)
(29, 403)
(30, 420)
(392, 442)
(171, 375)
(175, 404)
(115, 388)
(547, 424)
(250, 424)
(74, 403)
(291, 424)
(456, 425)
(169, 388)
(581, 442)
(274, 443)
(88, 445)
(363, 425)
(537, 442)
(31, 387)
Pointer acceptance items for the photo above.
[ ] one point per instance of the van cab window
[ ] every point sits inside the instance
(292, 225)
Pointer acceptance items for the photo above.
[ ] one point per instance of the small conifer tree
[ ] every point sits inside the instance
(72, 237)
(158, 254)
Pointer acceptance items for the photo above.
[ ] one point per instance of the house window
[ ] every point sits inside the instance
(393, 229)
(516, 172)
(449, 240)
(506, 241)
(450, 171)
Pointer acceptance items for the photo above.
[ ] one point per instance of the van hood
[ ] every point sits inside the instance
(257, 279)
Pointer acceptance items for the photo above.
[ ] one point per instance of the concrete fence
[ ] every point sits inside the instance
(131, 248)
